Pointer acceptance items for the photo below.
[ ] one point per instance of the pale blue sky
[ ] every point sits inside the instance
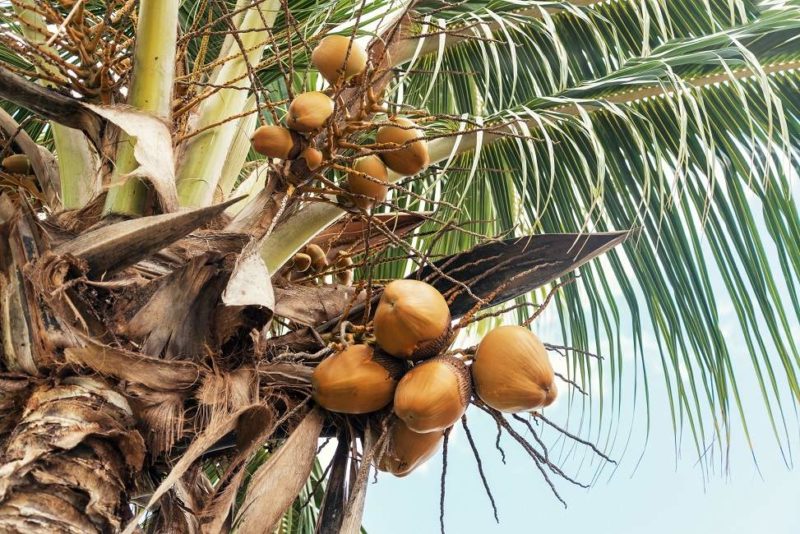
(664, 495)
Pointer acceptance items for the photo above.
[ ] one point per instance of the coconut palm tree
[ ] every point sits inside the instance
(159, 337)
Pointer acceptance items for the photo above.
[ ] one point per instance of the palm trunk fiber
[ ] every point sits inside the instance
(66, 466)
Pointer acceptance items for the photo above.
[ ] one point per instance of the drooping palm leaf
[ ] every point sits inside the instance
(686, 137)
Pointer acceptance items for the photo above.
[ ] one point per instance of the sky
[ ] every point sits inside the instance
(659, 492)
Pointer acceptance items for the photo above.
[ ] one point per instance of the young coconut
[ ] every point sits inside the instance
(512, 372)
(333, 60)
(17, 164)
(313, 158)
(301, 262)
(412, 320)
(275, 142)
(309, 111)
(344, 277)
(410, 159)
(371, 191)
(319, 260)
(357, 380)
(406, 450)
(433, 395)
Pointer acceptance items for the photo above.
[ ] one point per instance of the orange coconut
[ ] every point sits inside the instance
(406, 450)
(344, 267)
(309, 111)
(413, 157)
(333, 60)
(512, 372)
(412, 320)
(370, 191)
(313, 158)
(356, 380)
(319, 260)
(433, 395)
(17, 164)
(301, 262)
(273, 141)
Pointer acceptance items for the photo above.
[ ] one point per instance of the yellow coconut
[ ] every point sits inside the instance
(274, 141)
(410, 159)
(370, 191)
(333, 60)
(512, 372)
(406, 450)
(309, 111)
(412, 320)
(356, 380)
(17, 164)
(433, 395)
(313, 158)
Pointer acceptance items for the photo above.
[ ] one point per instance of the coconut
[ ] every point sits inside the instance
(412, 320)
(274, 141)
(551, 396)
(410, 159)
(333, 60)
(344, 277)
(319, 260)
(433, 395)
(313, 158)
(309, 111)
(406, 450)
(17, 164)
(358, 184)
(301, 262)
(357, 380)
(512, 372)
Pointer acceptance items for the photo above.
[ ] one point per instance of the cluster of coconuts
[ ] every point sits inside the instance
(339, 59)
(429, 391)
(313, 260)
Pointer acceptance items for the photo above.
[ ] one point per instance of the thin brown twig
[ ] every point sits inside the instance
(480, 467)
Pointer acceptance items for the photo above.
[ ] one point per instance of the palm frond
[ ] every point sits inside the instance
(519, 51)
(686, 143)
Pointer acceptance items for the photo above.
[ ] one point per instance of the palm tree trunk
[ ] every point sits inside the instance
(68, 464)
(70, 453)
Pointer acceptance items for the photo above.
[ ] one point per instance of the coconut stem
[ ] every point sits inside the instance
(150, 91)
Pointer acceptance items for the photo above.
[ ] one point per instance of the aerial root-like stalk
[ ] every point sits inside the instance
(563, 350)
(535, 434)
(480, 467)
(573, 384)
(497, 443)
(444, 476)
(589, 444)
(540, 458)
(528, 448)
